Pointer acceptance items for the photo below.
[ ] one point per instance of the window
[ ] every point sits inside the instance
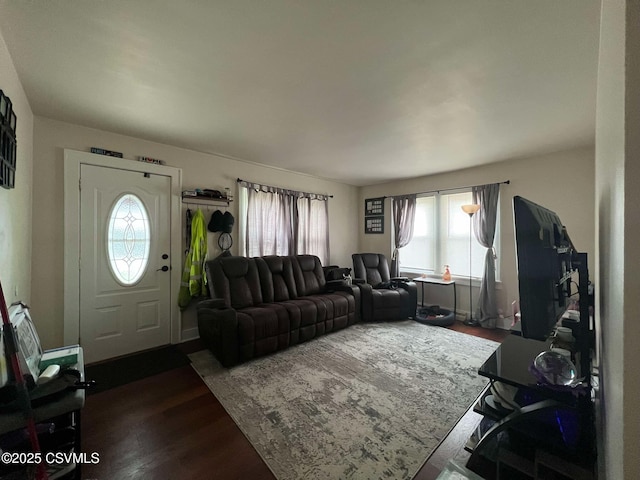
(276, 221)
(268, 224)
(128, 239)
(312, 228)
(441, 237)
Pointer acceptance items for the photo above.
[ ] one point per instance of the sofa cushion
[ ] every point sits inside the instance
(276, 277)
(336, 311)
(304, 312)
(236, 280)
(371, 267)
(344, 310)
(308, 274)
(388, 298)
(262, 329)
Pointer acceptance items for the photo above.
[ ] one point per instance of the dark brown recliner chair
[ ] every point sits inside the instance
(383, 297)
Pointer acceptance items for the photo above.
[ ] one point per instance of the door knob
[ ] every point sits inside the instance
(164, 269)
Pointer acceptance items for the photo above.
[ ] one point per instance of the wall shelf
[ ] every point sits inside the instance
(202, 200)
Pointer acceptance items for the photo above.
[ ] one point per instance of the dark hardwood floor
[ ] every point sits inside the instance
(170, 426)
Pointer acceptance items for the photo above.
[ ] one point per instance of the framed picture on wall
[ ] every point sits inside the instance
(374, 224)
(4, 107)
(374, 206)
(8, 122)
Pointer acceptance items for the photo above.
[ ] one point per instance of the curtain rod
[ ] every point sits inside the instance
(507, 182)
(239, 180)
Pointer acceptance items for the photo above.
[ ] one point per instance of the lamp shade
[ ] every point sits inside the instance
(470, 209)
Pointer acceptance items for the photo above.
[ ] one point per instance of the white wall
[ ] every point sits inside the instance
(199, 170)
(618, 235)
(15, 204)
(562, 182)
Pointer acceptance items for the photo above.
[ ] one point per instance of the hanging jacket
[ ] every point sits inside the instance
(194, 281)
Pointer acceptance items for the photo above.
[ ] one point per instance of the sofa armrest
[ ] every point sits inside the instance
(333, 284)
(407, 284)
(411, 287)
(366, 301)
(211, 303)
(359, 281)
(400, 279)
(218, 327)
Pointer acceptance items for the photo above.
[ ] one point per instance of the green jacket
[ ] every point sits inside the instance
(194, 281)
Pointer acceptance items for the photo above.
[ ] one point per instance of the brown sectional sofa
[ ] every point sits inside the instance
(264, 304)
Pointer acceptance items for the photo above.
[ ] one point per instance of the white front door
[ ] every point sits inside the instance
(125, 285)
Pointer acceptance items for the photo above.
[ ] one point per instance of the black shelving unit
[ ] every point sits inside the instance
(551, 430)
(58, 422)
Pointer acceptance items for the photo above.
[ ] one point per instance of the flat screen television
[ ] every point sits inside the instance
(544, 255)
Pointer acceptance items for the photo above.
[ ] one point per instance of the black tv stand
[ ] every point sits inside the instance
(533, 424)
(584, 332)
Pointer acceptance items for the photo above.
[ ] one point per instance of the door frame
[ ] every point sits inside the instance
(73, 159)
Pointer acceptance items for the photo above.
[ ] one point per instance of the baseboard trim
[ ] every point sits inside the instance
(189, 334)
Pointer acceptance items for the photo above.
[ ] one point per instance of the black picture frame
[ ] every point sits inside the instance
(8, 148)
(374, 206)
(3, 107)
(374, 224)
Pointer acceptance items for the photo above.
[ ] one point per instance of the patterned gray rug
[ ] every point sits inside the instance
(372, 401)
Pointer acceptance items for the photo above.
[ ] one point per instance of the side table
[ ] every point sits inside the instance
(437, 281)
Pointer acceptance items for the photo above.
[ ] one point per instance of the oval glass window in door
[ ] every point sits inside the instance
(128, 239)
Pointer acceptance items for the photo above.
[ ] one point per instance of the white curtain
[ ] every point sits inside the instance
(269, 227)
(284, 222)
(312, 226)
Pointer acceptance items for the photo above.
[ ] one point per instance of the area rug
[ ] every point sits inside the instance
(371, 401)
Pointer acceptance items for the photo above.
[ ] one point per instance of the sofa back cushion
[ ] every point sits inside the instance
(371, 267)
(236, 280)
(276, 277)
(308, 274)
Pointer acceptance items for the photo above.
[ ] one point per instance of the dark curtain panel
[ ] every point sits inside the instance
(404, 213)
(484, 228)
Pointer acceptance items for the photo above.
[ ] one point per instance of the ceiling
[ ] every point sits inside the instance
(358, 91)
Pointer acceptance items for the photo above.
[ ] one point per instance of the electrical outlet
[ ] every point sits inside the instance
(15, 290)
